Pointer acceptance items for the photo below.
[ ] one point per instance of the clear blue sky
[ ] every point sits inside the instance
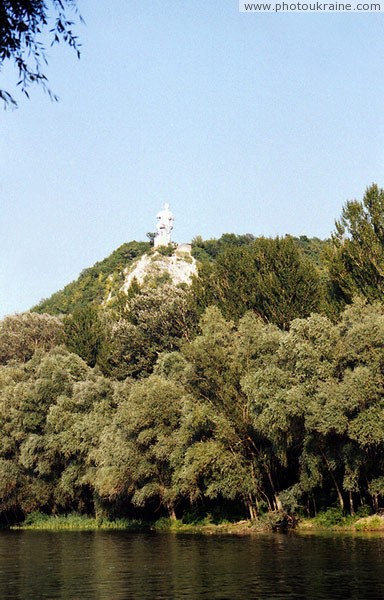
(244, 123)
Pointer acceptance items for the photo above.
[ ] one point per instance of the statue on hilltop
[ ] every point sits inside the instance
(164, 227)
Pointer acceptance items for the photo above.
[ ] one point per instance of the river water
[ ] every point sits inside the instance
(114, 565)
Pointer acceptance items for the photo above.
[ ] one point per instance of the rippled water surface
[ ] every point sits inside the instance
(117, 565)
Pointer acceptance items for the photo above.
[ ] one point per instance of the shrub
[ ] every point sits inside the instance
(330, 518)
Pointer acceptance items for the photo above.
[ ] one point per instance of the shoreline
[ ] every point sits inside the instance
(373, 523)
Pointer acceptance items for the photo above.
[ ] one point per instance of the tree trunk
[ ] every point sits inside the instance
(351, 507)
(251, 509)
(171, 512)
(339, 494)
(276, 499)
(338, 491)
(314, 504)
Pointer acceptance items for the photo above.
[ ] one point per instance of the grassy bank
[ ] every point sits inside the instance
(79, 522)
(75, 522)
(327, 521)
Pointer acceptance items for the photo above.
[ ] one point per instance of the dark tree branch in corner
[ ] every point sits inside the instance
(23, 26)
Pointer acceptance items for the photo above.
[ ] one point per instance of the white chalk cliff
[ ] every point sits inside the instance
(155, 267)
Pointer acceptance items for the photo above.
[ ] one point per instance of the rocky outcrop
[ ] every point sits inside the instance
(156, 267)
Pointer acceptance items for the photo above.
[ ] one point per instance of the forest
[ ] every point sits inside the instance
(257, 388)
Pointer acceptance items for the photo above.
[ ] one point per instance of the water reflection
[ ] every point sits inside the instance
(117, 565)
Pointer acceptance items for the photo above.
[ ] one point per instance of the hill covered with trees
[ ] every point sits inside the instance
(94, 284)
(105, 279)
(257, 388)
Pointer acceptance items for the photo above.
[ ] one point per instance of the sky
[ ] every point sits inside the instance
(244, 123)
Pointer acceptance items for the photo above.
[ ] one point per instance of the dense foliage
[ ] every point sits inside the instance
(270, 276)
(247, 392)
(21, 335)
(248, 413)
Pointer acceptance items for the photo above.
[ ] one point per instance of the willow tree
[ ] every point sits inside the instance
(27, 393)
(134, 459)
(217, 360)
(24, 25)
(21, 335)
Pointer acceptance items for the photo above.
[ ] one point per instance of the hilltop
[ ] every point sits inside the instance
(102, 283)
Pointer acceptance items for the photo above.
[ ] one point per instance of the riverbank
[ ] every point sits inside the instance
(369, 523)
(245, 527)
(77, 522)
(85, 523)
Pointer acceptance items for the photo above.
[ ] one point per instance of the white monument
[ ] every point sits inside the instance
(164, 227)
